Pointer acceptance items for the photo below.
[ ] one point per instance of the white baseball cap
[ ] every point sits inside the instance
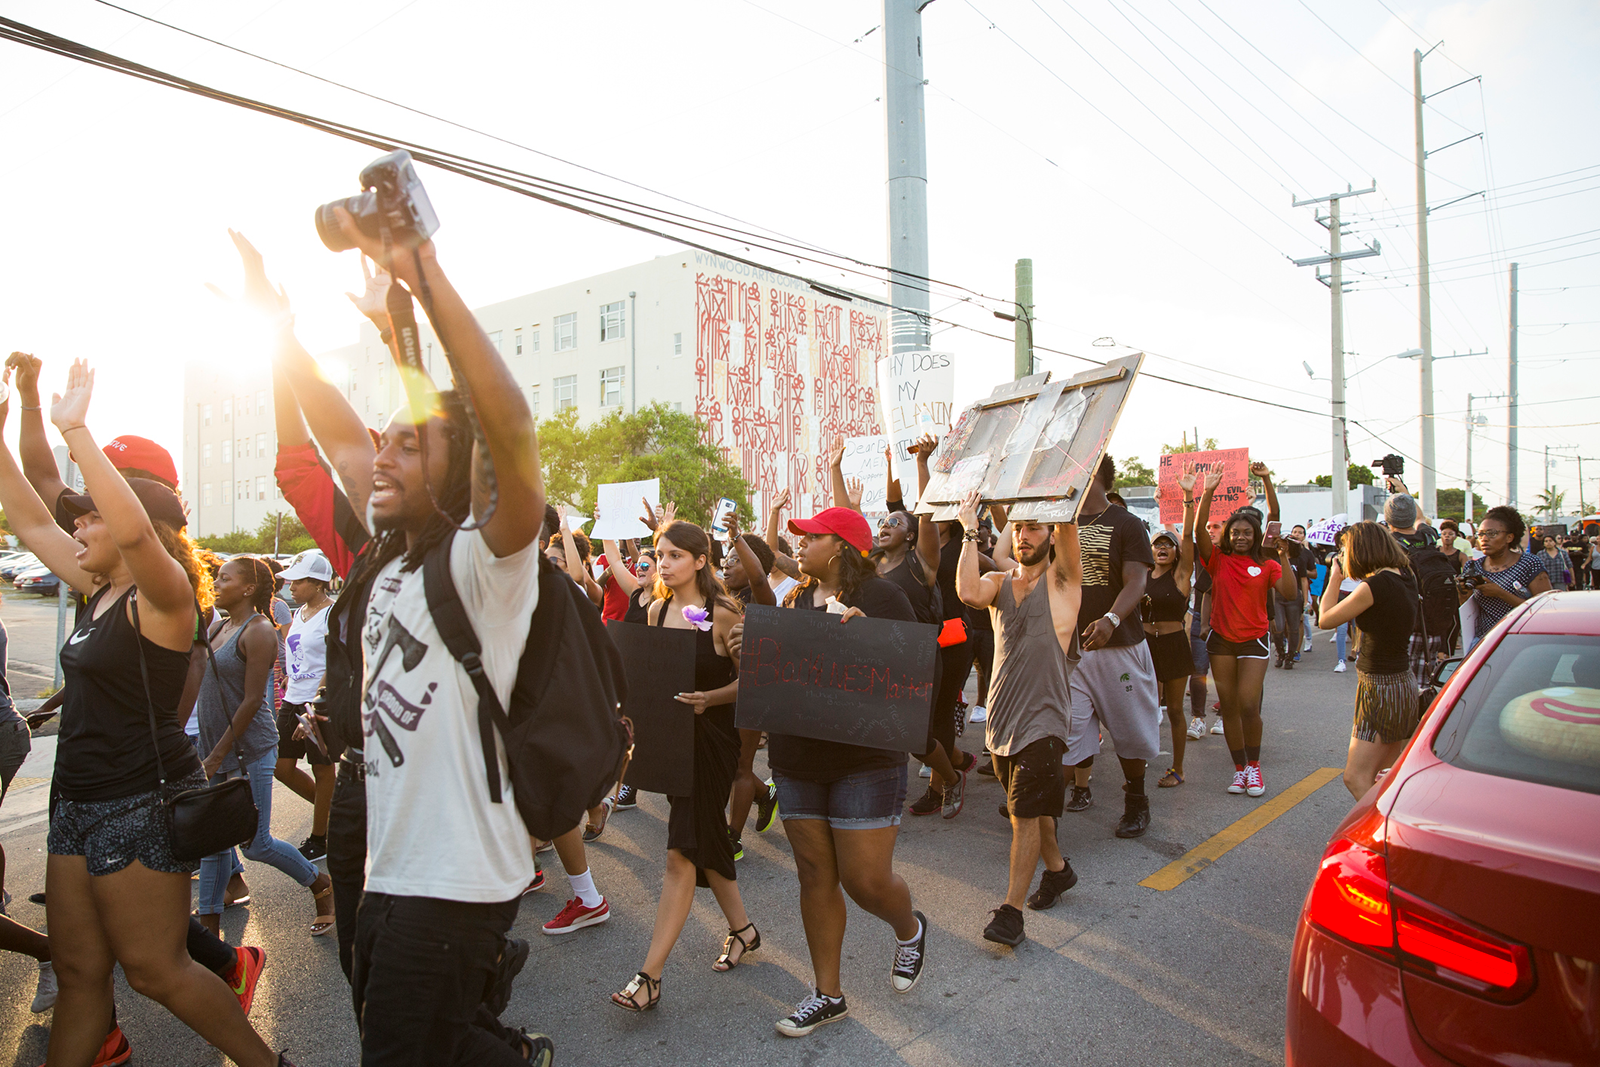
(309, 564)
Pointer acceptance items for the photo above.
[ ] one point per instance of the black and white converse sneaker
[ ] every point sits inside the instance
(908, 959)
(627, 798)
(811, 1013)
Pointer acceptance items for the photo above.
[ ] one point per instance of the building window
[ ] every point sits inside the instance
(227, 410)
(261, 444)
(205, 455)
(533, 403)
(613, 321)
(494, 339)
(534, 342)
(227, 452)
(261, 487)
(205, 495)
(207, 414)
(241, 489)
(518, 336)
(677, 405)
(677, 344)
(566, 393)
(261, 401)
(227, 490)
(566, 332)
(611, 386)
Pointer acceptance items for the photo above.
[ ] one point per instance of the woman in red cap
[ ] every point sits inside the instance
(116, 892)
(841, 804)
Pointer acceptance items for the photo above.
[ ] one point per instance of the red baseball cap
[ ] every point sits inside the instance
(847, 524)
(143, 454)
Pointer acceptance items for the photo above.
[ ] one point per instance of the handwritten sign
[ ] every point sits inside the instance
(1324, 531)
(620, 505)
(864, 460)
(658, 663)
(1233, 493)
(866, 682)
(916, 391)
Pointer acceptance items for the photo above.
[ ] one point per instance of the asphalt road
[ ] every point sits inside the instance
(1116, 973)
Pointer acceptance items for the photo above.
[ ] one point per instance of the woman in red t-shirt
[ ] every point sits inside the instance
(1243, 577)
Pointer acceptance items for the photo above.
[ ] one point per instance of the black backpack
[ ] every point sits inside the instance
(566, 740)
(345, 678)
(1438, 606)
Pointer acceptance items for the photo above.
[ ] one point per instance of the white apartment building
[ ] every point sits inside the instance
(772, 366)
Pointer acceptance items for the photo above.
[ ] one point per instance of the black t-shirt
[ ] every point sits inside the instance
(1304, 565)
(1113, 538)
(1386, 626)
(826, 761)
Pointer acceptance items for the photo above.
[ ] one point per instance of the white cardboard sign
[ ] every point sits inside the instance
(916, 395)
(864, 460)
(620, 505)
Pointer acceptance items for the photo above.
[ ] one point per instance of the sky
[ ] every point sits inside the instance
(1145, 156)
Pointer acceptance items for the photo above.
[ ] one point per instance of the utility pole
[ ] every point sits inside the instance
(1424, 304)
(908, 175)
(1468, 512)
(1511, 398)
(1335, 282)
(1022, 360)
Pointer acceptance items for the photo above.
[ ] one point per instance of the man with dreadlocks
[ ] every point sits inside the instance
(446, 865)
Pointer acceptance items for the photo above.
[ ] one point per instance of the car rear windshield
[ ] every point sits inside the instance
(1532, 711)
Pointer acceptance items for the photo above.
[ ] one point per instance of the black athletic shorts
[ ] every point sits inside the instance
(1033, 780)
(291, 747)
(1217, 645)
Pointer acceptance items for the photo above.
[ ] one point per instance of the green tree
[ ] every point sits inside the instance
(654, 442)
(291, 538)
(1550, 502)
(1450, 502)
(1133, 472)
(1358, 476)
(1190, 446)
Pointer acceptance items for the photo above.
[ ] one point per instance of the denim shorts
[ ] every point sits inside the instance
(866, 800)
(110, 834)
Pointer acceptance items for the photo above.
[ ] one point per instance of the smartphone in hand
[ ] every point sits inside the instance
(1274, 531)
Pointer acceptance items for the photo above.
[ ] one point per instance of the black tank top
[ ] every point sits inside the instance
(1166, 603)
(638, 607)
(926, 602)
(104, 750)
(711, 671)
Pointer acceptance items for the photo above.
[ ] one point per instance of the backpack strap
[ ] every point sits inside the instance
(455, 629)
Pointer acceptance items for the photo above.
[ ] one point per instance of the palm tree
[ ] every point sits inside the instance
(1550, 502)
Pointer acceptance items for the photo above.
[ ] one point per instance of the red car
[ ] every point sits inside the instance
(1455, 918)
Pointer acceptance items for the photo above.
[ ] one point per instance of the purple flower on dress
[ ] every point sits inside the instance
(699, 618)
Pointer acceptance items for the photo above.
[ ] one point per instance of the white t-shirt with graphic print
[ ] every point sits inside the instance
(432, 830)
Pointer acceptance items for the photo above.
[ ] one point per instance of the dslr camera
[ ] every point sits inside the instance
(394, 197)
(1393, 466)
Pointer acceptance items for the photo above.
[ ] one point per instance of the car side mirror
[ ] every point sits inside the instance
(1445, 670)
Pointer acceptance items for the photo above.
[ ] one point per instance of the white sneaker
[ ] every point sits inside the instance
(44, 998)
(1197, 729)
(1306, 645)
(1339, 668)
(979, 714)
(1216, 727)
(925, 772)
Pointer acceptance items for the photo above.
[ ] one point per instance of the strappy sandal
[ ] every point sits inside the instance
(628, 999)
(591, 832)
(726, 962)
(324, 922)
(1170, 779)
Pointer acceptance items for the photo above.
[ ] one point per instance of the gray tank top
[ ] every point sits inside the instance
(1029, 698)
(217, 704)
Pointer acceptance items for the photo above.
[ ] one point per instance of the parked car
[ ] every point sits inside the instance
(10, 568)
(1455, 917)
(37, 580)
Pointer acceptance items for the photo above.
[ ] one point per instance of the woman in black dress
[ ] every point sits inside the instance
(689, 595)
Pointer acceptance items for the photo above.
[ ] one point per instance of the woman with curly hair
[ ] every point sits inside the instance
(1505, 576)
(116, 892)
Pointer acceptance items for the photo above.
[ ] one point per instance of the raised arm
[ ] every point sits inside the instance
(576, 568)
(1259, 470)
(774, 528)
(502, 408)
(974, 590)
(760, 584)
(625, 579)
(33, 523)
(38, 459)
(163, 585)
(1068, 565)
(1185, 573)
(1202, 535)
(841, 492)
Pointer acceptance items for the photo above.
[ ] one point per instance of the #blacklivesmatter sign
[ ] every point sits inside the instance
(1233, 493)
(864, 682)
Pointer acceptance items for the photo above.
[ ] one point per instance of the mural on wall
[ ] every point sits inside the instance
(779, 370)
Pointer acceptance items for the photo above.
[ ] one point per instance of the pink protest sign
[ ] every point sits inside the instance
(1234, 492)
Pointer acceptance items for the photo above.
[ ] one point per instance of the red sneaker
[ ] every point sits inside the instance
(575, 917)
(115, 1050)
(247, 972)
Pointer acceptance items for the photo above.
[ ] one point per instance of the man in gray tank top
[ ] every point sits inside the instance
(1035, 608)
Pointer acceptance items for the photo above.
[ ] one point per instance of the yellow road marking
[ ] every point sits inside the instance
(1213, 848)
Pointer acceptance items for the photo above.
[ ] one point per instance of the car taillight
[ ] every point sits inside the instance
(1458, 953)
(1352, 899)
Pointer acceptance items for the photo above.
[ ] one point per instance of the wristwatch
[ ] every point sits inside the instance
(1116, 620)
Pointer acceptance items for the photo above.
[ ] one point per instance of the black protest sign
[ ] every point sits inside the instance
(864, 682)
(658, 664)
